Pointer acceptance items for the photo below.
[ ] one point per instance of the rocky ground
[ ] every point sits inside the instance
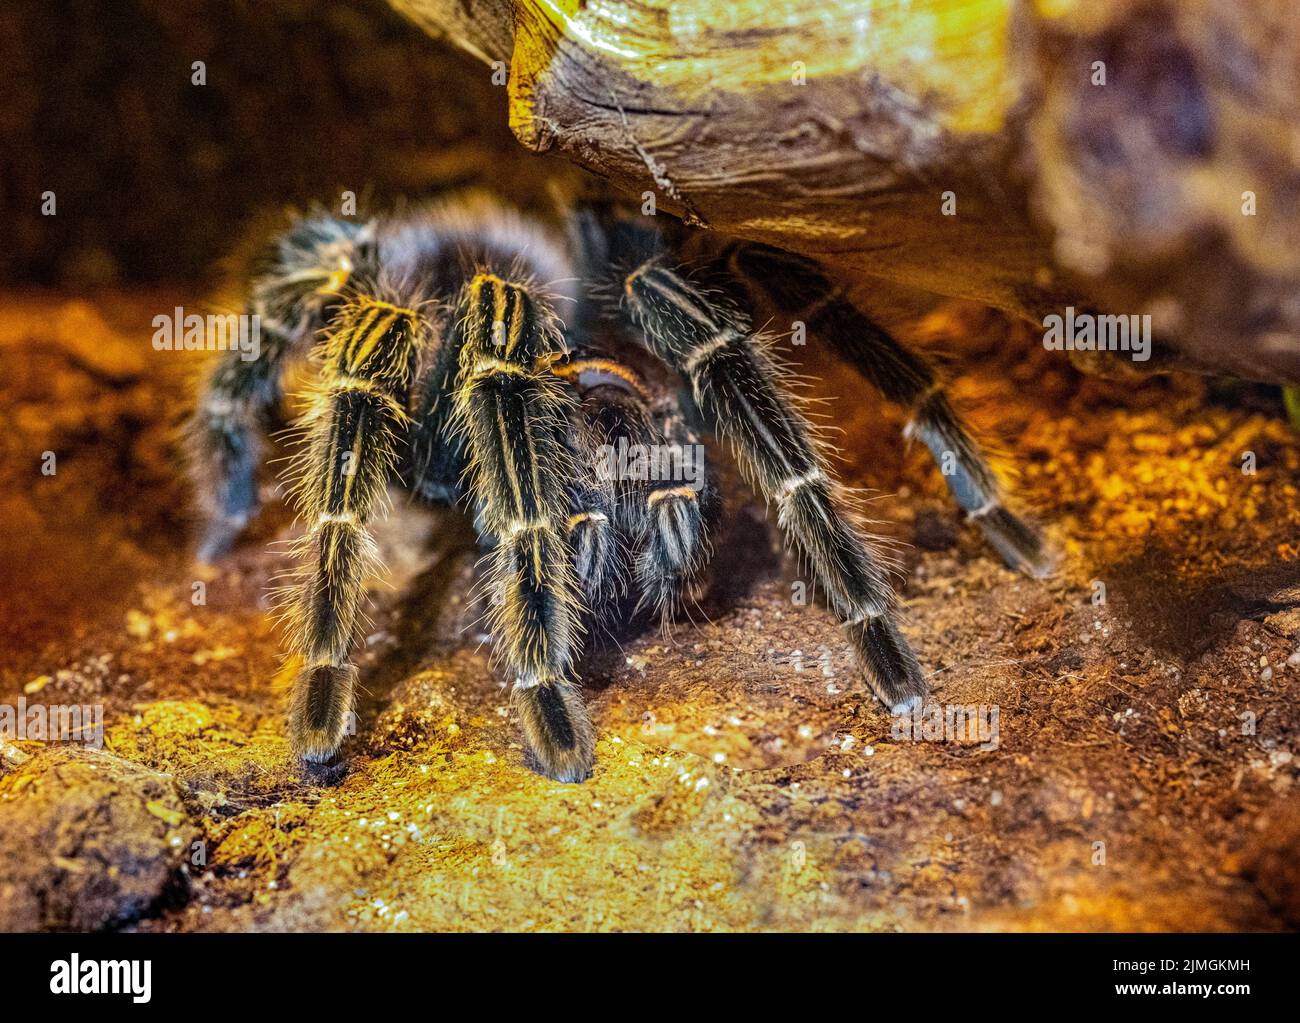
(1141, 776)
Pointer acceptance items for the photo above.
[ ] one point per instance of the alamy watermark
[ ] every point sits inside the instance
(1092, 332)
(40, 722)
(216, 332)
(647, 463)
(951, 722)
(77, 976)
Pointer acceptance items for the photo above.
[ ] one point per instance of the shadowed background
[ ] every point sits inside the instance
(154, 175)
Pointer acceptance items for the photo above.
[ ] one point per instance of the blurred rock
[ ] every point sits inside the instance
(87, 841)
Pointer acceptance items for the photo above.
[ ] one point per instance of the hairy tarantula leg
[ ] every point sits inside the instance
(646, 455)
(798, 285)
(437, 452)
(593, 538)
(674, 549)
(225, 445)
(294, 279)
(680, 510)
(606, 411)
(735, 384)
(513, 414)
(352, 437)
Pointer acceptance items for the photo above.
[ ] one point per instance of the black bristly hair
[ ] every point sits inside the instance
(710, 342)
(352, 432)
(800, 288)
(513, 414)
(296, 279)
(444, 363)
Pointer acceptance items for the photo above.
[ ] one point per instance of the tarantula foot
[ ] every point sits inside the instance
(1022, 549)
(892, 669)
(675, 549)
(321, 711)
(560, 740)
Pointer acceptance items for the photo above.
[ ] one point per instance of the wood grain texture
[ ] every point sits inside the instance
(837, 128)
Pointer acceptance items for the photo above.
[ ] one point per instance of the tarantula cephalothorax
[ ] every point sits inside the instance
(467, 351)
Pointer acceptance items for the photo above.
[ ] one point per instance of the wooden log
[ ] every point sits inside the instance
(1028, 154)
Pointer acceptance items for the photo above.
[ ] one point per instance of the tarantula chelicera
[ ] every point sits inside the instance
(472, 353)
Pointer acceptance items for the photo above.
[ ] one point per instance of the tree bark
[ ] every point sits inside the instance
(1028, 154)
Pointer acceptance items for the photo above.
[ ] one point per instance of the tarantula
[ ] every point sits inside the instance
(472, 353)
